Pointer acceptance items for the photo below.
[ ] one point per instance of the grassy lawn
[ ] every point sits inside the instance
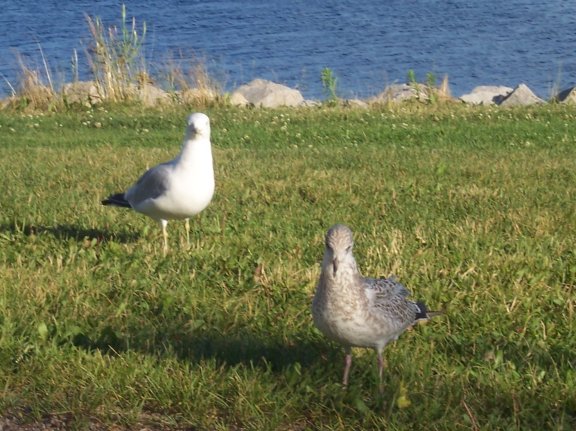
(473, 209)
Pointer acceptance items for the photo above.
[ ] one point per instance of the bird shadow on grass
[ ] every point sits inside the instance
(248, 347)
(67, 231)
(251, 349)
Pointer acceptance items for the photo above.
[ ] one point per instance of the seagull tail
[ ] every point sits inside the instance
(424, 313)
(117, 200)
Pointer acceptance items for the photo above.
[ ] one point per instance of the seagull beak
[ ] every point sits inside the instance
(335, 265)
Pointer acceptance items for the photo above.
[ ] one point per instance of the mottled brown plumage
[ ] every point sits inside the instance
(357, 311)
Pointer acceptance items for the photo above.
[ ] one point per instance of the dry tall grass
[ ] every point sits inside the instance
(35, 89)
(116, 58)
(443, 90)
(191, 81)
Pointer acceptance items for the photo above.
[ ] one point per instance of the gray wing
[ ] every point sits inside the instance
(152, 184)
(386, 286)
(388, 299)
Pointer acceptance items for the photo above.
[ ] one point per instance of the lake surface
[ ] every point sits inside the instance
(367, 44)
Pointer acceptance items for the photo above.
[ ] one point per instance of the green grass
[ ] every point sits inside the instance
(473, 209)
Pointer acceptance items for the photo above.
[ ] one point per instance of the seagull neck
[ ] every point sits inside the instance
(196, 152)
(347, 272)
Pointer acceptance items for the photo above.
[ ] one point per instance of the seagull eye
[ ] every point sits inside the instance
(348, 249)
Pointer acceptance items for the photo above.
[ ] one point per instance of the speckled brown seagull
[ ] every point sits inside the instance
(177, 189)
(357, 311)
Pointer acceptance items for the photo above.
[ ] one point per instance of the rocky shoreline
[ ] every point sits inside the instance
(268, 94)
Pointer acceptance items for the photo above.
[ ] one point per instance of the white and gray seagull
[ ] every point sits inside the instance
(357, 311)
(177, 189)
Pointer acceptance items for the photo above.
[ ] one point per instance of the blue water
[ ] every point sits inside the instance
(368, 44)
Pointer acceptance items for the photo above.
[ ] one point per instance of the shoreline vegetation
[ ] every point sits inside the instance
(120, 73)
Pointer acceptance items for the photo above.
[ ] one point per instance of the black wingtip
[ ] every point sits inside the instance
(118, 200)
(423, 312)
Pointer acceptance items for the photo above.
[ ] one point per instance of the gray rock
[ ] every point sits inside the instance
(266, 94)
(311, 103)
(151, 95)
(238, 99)
(521, 96)
(400, 93)
(486, 95)
(355, 103)
(567, 96)
(81, 92)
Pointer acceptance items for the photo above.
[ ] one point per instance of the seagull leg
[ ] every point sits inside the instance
(347, 364)
(163, 224)
(381, 365)
(187, 225)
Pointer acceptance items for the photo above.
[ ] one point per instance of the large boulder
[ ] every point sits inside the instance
(521, 96)
(401, 93)
(487, 95)
(355, 103)
(151, 95)
(309, 103)
(567, 96)
(81, 92)
(266, 94)
(238, 99)
(420, 92)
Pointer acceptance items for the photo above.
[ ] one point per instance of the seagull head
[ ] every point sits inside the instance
(339, 243)
(198, 125)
